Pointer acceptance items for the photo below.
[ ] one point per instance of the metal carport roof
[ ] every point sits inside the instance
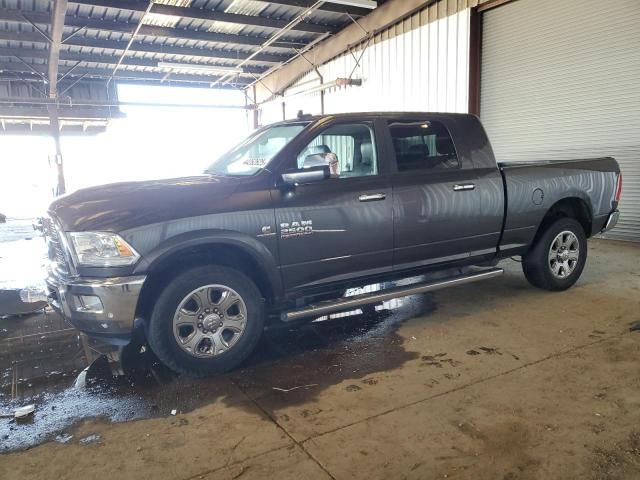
(96, 34)
(60, 60)
(62, 52)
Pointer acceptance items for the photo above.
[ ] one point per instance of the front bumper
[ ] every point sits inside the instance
(611, 222)
(111, 317)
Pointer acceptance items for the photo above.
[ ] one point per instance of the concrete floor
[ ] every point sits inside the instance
(495, 380)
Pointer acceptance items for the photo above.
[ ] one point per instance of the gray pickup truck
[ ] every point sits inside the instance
(280, 227)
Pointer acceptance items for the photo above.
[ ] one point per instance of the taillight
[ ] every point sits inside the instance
(616, 198)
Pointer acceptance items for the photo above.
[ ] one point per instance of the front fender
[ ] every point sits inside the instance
(248, 244)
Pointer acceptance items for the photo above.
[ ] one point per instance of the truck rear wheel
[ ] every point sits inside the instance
(207, 320)
(557, 259)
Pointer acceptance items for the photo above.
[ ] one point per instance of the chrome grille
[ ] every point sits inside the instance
(55, 246)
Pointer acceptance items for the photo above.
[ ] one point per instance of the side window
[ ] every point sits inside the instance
(348, 149)
(424, 145)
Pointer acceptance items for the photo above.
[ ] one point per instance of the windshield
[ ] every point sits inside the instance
(255, 152)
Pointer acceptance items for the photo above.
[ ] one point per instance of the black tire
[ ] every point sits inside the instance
(536, 265)
(160, 331)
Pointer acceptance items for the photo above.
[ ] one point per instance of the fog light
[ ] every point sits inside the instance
(89, 303)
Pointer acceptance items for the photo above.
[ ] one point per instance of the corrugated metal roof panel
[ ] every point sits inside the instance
(246, 7)
(159, 20)
(22, 45)
(120, 23)
(224, 27)
(39, 5)
(175, 3)
(16, 27)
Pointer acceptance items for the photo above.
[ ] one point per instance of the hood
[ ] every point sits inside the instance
(120, 206)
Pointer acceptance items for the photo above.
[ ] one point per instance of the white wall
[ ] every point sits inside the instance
(561, 80)
(419, 64)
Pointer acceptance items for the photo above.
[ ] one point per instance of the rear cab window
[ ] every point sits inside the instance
(422, 145)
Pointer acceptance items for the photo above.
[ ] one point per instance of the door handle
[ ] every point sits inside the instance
(372, 197)
(463, 187)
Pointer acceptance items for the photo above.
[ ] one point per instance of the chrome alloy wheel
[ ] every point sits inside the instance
(564, 254)
(209, 321)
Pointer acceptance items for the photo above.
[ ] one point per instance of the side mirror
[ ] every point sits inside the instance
(315, 160)
(306, 175)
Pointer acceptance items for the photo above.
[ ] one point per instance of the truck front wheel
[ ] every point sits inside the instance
(558, 257)
(207, 320)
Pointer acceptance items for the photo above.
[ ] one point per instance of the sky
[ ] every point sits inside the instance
(149, 143)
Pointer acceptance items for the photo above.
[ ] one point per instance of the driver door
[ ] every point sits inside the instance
(340, 227)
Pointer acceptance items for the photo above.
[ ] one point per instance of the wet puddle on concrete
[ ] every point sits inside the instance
(41, 358)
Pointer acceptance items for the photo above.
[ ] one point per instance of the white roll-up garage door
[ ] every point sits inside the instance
(561, 79)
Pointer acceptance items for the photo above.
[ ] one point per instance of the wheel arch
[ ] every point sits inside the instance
(230, 249)
(574, 207)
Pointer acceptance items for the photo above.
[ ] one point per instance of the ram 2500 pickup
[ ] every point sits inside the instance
(282, 225)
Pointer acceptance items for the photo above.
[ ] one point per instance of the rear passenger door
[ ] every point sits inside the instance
(435, 202)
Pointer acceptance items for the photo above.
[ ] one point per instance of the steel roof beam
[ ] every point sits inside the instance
(146, 47)
(140, 6)
(130, 42)
(39, 18)
(18, 127)
(208, 14)
(11, 77)
(254, 20)
(205, 36)
(26, 101)
(58, 12)
(277, 35)
(327, 7)
(123, 74)
(156, 31)
(27, 113)
(107, 59)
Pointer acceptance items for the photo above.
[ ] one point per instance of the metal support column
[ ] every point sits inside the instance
(54, 122)
(58, 12)
(256, 112)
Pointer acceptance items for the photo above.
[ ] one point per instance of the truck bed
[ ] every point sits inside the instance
(532, 188)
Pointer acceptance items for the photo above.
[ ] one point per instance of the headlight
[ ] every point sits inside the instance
(102, 249)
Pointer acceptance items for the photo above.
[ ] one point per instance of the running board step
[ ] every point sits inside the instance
(330, 306)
